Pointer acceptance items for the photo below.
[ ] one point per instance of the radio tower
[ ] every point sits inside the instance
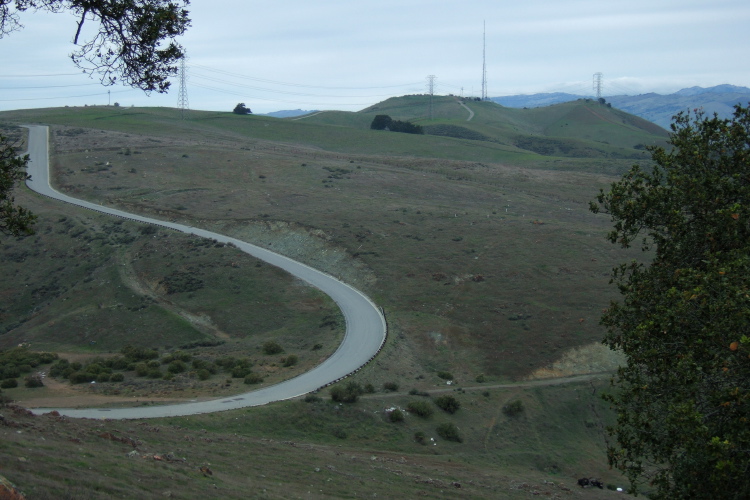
(598, 77)
(484, 61)
(182, 99)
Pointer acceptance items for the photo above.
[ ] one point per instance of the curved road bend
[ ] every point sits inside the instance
(365, 325)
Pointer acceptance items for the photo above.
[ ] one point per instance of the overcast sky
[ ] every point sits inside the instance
(349, 54)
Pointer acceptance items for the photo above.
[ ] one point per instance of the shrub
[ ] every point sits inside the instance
(253, 378)
(154, 373)
(420, 437)
(390, 386)
(396, 415)
(449, 432)
(445, 375)
(513, 408)
(81, 377)
(176, 366)
(312, 398)
(291, 360)
(480, 379)
(420, 408)
(415, 392)
(101, 377)
(369, 389)
(33, 381)
(241, 370)
(116, 377)
(346, 394)
(9, 383)
(204, 374)
(448, 403)
(271, 348)
(141, 369)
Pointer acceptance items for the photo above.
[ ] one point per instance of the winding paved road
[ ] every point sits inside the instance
(365, 324)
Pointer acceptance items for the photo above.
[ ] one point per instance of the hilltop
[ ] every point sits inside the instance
(654, 107)
(475, 239)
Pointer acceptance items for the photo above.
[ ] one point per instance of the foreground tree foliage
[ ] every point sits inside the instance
(132, 42)
(683, 398)
(14, 220)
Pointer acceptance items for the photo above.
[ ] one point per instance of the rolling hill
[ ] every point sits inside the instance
(475, 238)
(657, 108)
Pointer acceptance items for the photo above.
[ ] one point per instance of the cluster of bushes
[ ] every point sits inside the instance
(147, 363)
(20, 361)
(385, 122)
(348, 393)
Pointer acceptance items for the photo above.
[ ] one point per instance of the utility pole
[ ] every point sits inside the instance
(431, 88)
(182, 98)
(598, 77)
(484, 61)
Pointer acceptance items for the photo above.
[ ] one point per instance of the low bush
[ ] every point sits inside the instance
(420, 437)
(513, 408)
(177, 366)
(8, 383)
(349, 393)
(203, 374)
(390, 386)
(116, 377)
(449, 432)
(290, 360)
(253, 378)
(448, 403)
(445, 375)
(270, 348)
(396, 416)
(33, 381)
(420, 408)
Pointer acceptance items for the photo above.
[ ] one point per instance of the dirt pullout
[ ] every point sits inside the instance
(591, 358)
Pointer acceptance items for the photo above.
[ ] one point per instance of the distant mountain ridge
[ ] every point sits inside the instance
(656, 108)
(289, 113)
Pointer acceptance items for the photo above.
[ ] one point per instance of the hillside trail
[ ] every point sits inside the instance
(471, 113)
(509, 385)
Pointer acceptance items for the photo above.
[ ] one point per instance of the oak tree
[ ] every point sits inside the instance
(682, 399)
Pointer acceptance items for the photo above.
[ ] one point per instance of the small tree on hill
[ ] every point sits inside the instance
(241, 109)
(381, 122)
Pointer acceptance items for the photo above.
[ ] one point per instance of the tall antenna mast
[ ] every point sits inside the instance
(431, 88)
(598, 77)
(484, 61)
(182, 99)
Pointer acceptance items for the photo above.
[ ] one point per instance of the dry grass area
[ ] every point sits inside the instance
(481, 268)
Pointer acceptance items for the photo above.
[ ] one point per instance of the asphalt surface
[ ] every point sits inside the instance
(365, 324)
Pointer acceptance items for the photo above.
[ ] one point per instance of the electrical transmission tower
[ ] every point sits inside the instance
(431, 88)
(182, 99)
(598, 77)
(484, 61)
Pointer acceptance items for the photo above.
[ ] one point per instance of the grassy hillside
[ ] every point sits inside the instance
(482, 253)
